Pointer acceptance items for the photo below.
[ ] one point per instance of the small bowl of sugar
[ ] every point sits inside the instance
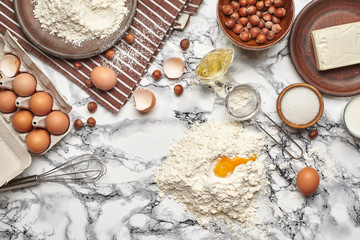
(300, 105)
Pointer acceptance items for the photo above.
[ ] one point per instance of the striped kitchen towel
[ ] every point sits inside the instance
(152, 25)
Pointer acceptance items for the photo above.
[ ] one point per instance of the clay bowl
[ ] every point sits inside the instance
(300, 126)
(285, 24)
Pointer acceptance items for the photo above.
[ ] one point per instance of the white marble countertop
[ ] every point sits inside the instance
(125, 204)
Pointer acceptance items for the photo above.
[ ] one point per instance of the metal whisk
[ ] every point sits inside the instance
(84, 168)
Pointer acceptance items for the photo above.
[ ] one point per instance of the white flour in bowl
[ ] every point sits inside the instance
(187, 174)
(79, 20)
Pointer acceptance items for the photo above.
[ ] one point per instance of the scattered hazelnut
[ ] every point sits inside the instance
(275, 19)
(178, 89)
(184, 44)
(130, 38)
(156, 74)
(254, 32)
(243, 12)
(251, 2)
(280, 12)
(77, 65)
(261, 38)
(269, 25)
(227, 9)
(251, 10)
(78, 124)
(235, 16)
(92, 106)
(91, 121)
(264, 31)
(276, 28)
(243, 21)
(245, 36)
(237, 28)
(110, 54)
(254, 20)
(268, 3)
(260, 5)
(243, 3)
(230, 23)
(89, 83)
(271, 9)
(278, 3)
(313, 133)
(270, 35)
(267, 17)
(235, 5)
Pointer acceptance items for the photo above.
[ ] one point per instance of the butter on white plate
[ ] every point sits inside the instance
(337, 46)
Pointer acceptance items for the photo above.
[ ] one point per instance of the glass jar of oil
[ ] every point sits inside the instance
(214, 65)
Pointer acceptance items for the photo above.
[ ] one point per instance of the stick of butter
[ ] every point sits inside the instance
(337, 46)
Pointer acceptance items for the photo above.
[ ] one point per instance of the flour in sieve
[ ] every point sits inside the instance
(187, 174)
(78, 20)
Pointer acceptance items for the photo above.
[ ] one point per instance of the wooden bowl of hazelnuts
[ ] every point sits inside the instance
(255, 24)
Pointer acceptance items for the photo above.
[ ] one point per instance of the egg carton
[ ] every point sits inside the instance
(15, 157)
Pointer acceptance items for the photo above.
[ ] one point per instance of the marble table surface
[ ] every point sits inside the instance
(125, 203)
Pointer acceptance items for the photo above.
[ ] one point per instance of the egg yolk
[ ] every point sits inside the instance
(226, 165)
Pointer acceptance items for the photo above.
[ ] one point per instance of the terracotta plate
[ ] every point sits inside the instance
(316, 15)
(57, 46)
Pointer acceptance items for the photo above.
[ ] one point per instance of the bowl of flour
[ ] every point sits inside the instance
(74, 29)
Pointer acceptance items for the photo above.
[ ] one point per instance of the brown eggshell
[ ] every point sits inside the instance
(7, 101)
(38, 140)
(10, 65)
(57, 122)
(307, 181)
(103, 78)
(174, 67)
(144, 100)
(24, 84)
(22, 121)
(41, 103)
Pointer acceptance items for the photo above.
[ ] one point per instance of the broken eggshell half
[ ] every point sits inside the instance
(174, 67)
(144, 100)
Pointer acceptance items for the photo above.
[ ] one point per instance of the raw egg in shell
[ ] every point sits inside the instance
(57, 122)
(24, 84)
(22, 121)
(103, 78)
(307, 181)
(7, 101)
(40, 103)
(38, 140)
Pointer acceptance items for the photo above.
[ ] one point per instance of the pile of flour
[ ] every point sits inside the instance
(187, 174)
(79, 20)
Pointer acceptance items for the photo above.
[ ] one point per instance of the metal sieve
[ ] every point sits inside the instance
(250, 106)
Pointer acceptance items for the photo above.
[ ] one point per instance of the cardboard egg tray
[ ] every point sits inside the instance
(14, 155)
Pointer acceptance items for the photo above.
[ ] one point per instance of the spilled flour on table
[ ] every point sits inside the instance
(187, 174)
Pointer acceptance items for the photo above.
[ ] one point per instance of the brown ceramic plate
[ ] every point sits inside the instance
(285, 24)
(57, 46)
(319, 14)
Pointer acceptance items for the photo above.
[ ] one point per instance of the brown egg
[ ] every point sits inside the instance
(57, 122)
(103, 78)
(307, 181)
(38, 140)
(41, 103)
(24, 84)
(7, 101)
(22, 121)
(144, 100)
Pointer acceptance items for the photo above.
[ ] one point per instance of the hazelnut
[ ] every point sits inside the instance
(130, 38)
(178, 89)
(269, 25)
(276, 28)
(156, 74)
(254, 32)
(244, 29)
(251, 2)
(245, 36)
(254, 20)
(92, 106)
(280, 12)
(278, 3)
(271, 9)
(91, 121)
(275, 19)
(89, 83)
(270, 35)
(260, 5)
(235, 16)
(230, 23)
(243, 21)
(261, 24)
(110, 54)
(78, 124)
(249, 26)
(77, 65)
(259, 14)
(235, 5)
(227, 9)
(267, 17)
(243, 3)
(251, 10)
(268, 3)
(237, 28)
(261, 38)
(184, 44)
(264, 31)
(243, 12)
(313, 133)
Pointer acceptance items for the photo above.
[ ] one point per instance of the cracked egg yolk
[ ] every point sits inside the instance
(226, 166)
